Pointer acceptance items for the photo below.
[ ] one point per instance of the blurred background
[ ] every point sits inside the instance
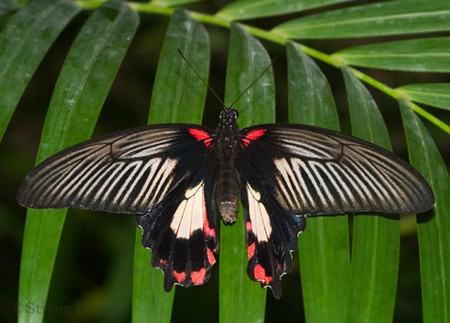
(93, 274)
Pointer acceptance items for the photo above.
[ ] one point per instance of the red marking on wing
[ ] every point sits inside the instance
(251, 250)
(260, 275)
(209, 232)
(198, 277)
(179, 277)
(248, 226)
(211, 257)
(201, 135)
(253, 135)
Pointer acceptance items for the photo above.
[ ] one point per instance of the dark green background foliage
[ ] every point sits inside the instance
(70, 70)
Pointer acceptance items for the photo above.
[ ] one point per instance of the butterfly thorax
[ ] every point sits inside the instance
(227, 191)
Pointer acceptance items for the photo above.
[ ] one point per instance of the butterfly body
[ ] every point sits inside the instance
(227, 189)
(175, 177)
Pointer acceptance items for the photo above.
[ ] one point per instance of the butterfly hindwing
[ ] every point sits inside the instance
(180, 231)
(271, 233)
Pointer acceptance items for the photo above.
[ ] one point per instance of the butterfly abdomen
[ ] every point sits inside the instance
(227, 192)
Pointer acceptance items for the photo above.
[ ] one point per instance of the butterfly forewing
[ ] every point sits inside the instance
(127, 172)
(313, 171)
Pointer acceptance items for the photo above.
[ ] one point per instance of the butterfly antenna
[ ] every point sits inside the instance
(201, 78)
(253, 83)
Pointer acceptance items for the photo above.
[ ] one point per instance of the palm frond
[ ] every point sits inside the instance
(347, 271)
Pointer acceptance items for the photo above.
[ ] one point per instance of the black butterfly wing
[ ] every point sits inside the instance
(317, 171)
(162, 172)
(125, 172)
(288, 172)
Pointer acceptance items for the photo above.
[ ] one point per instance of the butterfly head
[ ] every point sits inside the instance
(228, 116)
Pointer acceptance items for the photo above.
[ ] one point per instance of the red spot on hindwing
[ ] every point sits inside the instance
(209, 232)
(179, 277)
(248, 226)
(211, 257)
(251, 250)
(198, 277)
(201, 135)
(253, 135)
(260, 274)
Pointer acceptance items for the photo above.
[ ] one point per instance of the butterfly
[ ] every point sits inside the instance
(176, 176)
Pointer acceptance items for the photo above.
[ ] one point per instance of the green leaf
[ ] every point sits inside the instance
(376, 239)
(378, 19)
(305, 77)
(117, 291)
(324, 249)
(178, 96)
(247, 9)
(172, 3)
(241, 299)
(23, 43)
(433, 94)
(7, 6)
(433, 228)
(419, 55)
(82, 86)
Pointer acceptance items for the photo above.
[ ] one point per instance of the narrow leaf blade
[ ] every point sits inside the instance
(433, 94)
(7, 6)
(376, 239)
(241, 299)
(305, 82)
(178, 96)
(82, 86)
(378, 19)
(23, 43)
(248, 9)
(433, 228)
(324, 249)
(172, 3)
(419, 55)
